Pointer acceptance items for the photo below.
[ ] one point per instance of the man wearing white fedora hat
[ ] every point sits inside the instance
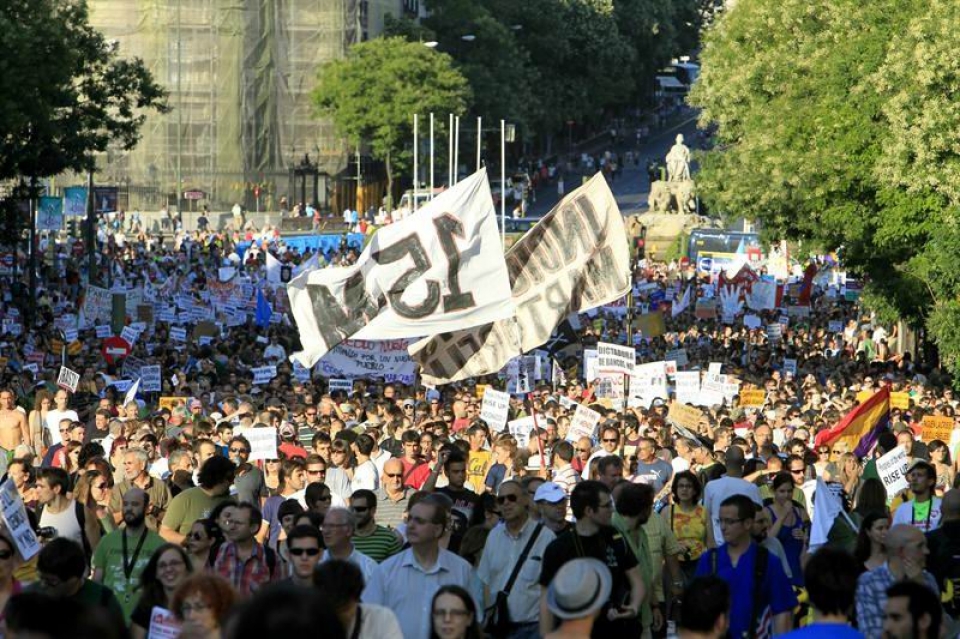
(576, 595)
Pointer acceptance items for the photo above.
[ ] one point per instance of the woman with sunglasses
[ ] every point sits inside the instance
(688, 520)
(200, 541)
(94, 490)
(168, 567)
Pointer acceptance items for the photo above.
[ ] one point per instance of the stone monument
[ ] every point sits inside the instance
(678, 194)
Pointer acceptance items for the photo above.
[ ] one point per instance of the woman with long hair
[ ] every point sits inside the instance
(940, 457)
(688, 520)
(872, 498)
(504, 463)
(850, 474)
(789, 524)
(42, 403)
(168, 567)
(203, 536)
(453, 615)
(94, 490)
(201, 603)
(870, 551)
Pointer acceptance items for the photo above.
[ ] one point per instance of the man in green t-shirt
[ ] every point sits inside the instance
(122, 555)
(216, 476)
(62, 567)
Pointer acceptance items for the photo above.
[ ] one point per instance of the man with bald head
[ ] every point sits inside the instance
(944, 544)
(122, 555)
(731, 484)
(906, 558)
(392, 496)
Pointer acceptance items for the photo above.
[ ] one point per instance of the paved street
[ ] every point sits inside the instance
(632, 186)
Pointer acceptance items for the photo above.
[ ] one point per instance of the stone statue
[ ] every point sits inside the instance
(678, 161)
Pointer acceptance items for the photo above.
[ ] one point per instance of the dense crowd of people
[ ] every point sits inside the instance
(394, 510)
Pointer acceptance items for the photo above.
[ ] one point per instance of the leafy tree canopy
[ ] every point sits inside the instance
(65, 93)
(372, 94)
(837, 124)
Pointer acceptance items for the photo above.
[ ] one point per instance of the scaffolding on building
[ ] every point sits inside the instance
(239, 73)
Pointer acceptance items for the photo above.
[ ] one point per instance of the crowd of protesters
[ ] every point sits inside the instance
(395, 511)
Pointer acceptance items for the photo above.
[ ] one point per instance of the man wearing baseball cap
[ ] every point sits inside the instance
(551, 501)
(288, 442)
(576, 595)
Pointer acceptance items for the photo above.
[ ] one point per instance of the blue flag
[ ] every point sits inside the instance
(262, 316)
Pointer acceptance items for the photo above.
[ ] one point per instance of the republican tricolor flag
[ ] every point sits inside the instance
(861, 427)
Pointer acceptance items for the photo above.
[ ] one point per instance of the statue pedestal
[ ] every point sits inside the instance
(673, 197)
(664, 228)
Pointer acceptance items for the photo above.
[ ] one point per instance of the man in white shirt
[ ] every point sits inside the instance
(365, 473)
(732, 484)
(609, 445)
(61, 412)
(339, 524)
(422, 569)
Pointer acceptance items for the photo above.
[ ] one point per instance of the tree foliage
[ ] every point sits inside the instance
(65, 92)
(837, 124)
(373, 93)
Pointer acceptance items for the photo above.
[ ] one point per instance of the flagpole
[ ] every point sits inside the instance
(456, 149)
(450, 151)
(503, 184)
(416, 161)
(479, 137)
(431, 156)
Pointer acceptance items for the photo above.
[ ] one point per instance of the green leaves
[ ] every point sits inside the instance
(838, 124)
(65, 94)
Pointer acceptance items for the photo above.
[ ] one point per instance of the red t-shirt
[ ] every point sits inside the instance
(292, 450)
(414, 473)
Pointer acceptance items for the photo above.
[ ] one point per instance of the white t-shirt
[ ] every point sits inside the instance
(718, 490)
(54, 417)
(365, 476)
(377, 622)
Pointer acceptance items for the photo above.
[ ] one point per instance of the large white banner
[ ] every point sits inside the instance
(358, 359)
(576, 258)
(440, 270)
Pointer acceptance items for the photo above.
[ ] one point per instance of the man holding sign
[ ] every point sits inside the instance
(924, 510)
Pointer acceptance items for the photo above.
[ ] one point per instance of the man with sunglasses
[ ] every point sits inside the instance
(249, 482)
(372, 539)
(502, 552)
(303, 550)
(392, 496)
(609, 445)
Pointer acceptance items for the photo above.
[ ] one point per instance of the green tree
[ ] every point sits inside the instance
(372, 94)
(837, 124)
(65, 93)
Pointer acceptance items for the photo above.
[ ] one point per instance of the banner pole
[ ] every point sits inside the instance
(479, 138)
(450, 151)
(536, 427)
(416, 161)
(456, 149)
(431, 157)
(503, 184)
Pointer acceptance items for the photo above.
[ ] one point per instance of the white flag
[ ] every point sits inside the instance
(273, 269)
(681, 305)
(132, 393)
(826, 507)
(312, 262)
(439, 270)
(575, 258)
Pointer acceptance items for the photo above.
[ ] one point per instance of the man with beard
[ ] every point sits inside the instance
(122, 554)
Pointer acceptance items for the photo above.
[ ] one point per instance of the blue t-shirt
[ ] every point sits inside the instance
(775, 593)
(824, 631)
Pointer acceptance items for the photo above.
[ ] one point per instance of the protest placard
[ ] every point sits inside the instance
(688, 387)
(122, 385)
(936, 427)
(835, 326)
(751, 321)
(169, 402)
(583, 424)
(103, 331)
(97, 306)
(520, 429)
(263, 442)
(685, 416)
(300, 372)
(706, 309)
(651, 324)
(163, 624)
(15, 517)
(343, 385)
(775, 333)
(590, 364)
(892, 469)
(263, 374)
(68, 379)
(790, 366)
(495, 408)
(711, 390)
(679, 356)
(365, 359)
(151, 379)
(178, 334)
(900, 400)
(754, 398)
(647, 383)
(613, 358)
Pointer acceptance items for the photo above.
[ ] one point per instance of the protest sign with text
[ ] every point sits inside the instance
(364, 359)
